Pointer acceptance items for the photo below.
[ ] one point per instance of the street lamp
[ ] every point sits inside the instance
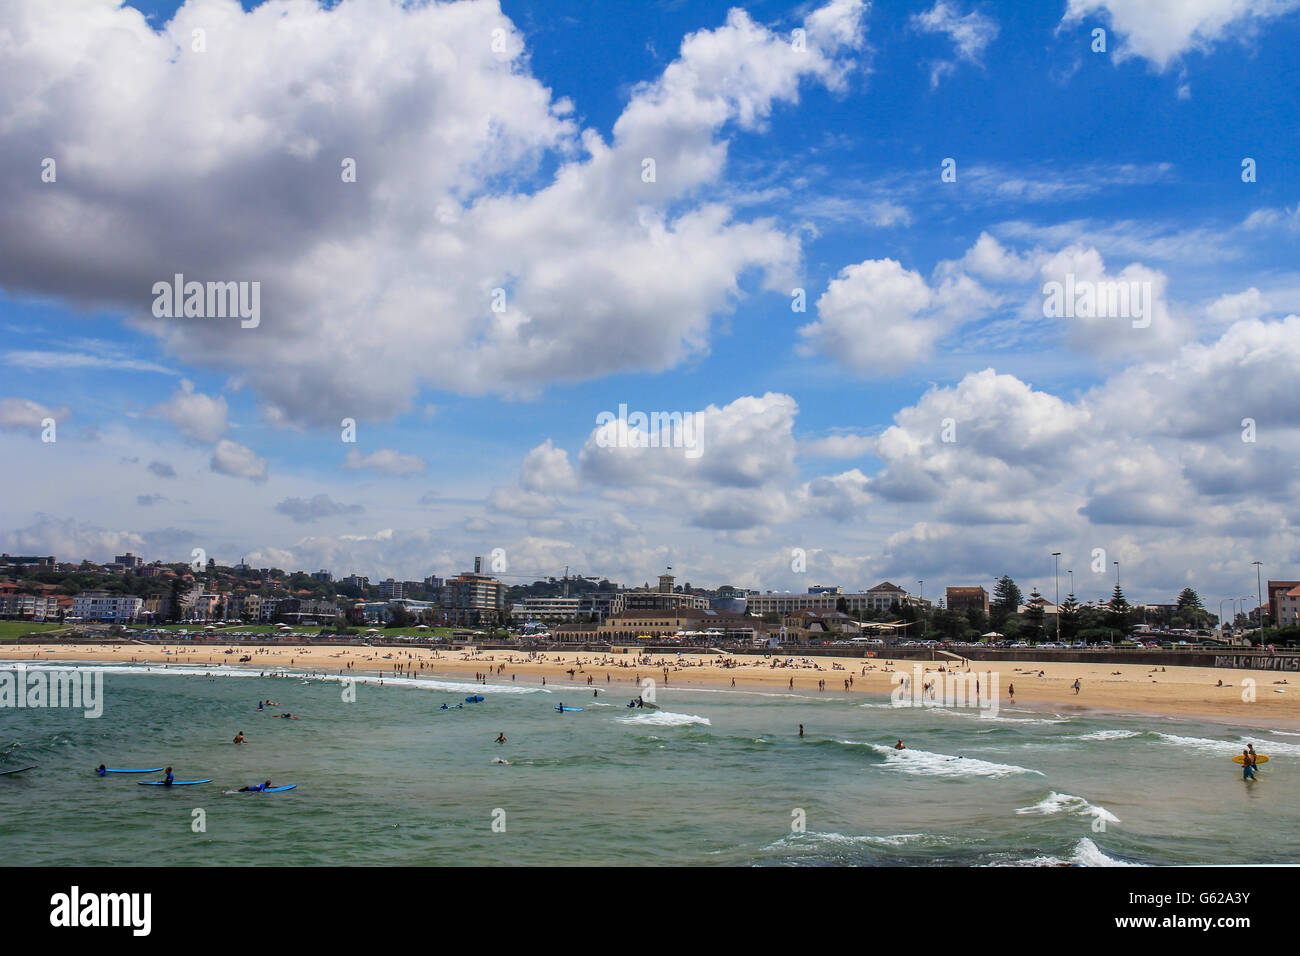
(1116, 563)
(921, 595)
(1057, 556)
(1259, 590)
(1221, 616)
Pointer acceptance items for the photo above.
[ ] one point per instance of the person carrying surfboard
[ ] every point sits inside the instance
(1247, 765)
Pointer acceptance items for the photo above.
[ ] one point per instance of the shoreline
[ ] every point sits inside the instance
(1136, 690)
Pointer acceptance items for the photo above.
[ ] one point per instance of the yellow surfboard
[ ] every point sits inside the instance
(1258, 759)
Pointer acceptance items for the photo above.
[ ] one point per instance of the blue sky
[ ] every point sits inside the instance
(475, 173)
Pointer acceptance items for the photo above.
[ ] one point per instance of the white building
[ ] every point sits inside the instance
(101, 606)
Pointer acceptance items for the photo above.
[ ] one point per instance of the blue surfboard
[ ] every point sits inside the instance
(569, 709)
(145, 770)
(174, 783)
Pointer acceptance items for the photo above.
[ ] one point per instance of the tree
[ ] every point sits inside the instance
(1189, 599)
(1118, 612)
(1034, 618)
(842, 605)
(1006, 601)
(1069, 618)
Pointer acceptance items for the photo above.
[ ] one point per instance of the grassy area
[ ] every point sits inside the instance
(12, 630)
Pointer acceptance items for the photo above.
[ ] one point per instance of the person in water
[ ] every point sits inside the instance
(501, 737)
(1247, 765)
(167, 781)
(240, 739)
(899, 745)
(259, 706)
(801, 730)
(256, 788)
(102, 770)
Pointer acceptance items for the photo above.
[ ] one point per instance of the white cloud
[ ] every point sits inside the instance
(1233, 307)
(303, 510)
(970, 34)
(238, 461)
(602, 272)
(546, 469)
(385, 461)
(1163, 30)
(25, 415)
(194, 414)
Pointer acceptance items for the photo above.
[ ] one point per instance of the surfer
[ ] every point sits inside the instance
(1077, 685)
(167, 782)
(501, 737)
(259, 706)
(240, 739)
(801, 730)
(102, 770)
(256, 788)
(899, 745)
(1247, 765)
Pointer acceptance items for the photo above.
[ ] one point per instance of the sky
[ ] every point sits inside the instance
(825, 235)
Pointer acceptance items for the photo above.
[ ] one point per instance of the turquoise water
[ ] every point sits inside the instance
(714, 777)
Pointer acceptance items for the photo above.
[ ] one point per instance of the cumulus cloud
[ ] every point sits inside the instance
(546, 469)
(238, 461)
(22, 414)
(194, 414)
(1161, 32)
(599, 271)
(877, 317)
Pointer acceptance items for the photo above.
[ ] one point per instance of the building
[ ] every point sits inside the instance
(472, 599)
(356, 581)
(883, 597)
(30, 607)
(661, 598)
(392, 589)
(128, 561)
(825, 589)
(322, 575)
(1277, 590)
(962, 599)
(1288, 608)
(685, 624)
(102, 606)
(27, 561)
(549, 610)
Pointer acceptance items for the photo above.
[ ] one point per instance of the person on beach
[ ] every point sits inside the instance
(240, 738)
(1077, 686)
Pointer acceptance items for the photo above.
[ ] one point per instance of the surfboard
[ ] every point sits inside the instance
(1239, 759)
(145, 770)
(569, 709)
(19, 770)
(174, 783)
(474, 700)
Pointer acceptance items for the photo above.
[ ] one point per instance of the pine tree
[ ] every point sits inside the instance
(1118, 611)
(1069, 618)
(1188, 598)
(1006, 601)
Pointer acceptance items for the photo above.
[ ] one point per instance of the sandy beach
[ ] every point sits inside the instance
(1120, 688)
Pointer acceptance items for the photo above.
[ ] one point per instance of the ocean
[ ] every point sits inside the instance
(716, 777)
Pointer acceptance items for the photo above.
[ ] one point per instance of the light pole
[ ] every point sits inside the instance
(921, 595)
(1057, 555)
(1116, 563)
(1259, 590)
(1221, 617)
